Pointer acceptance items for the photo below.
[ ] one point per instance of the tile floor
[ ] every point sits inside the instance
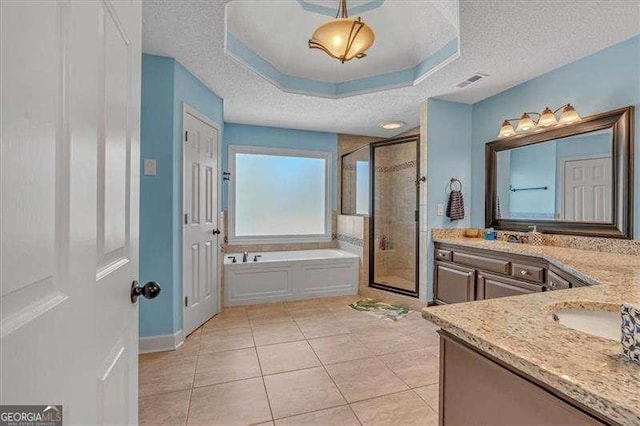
(313, 362)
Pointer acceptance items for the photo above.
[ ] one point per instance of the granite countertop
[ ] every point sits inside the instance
(517, 330)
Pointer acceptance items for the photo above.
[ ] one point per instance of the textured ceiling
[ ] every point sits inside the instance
(282, 39)
(512, 41)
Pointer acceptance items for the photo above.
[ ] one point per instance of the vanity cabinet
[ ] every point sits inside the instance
(476, 389)
(463, 274)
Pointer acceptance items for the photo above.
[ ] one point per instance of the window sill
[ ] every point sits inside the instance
(278, 240)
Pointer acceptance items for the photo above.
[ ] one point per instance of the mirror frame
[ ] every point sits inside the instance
(621, 123)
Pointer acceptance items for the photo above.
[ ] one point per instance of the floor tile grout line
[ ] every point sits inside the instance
(195, 371)
(264, 384)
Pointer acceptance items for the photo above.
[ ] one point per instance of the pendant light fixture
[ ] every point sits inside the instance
(343, 38)
(547, 119)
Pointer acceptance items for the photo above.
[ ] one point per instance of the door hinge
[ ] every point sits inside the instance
(186, 218)
(186, 136)
(186, 301)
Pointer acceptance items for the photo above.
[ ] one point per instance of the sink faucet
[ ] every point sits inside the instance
(245, 255)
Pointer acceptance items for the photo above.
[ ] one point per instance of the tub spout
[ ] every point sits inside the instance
(245, 256)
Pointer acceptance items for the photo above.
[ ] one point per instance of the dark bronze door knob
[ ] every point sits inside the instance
(149, 291)
(216, 232)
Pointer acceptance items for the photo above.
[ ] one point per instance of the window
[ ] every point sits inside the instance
(279, 195)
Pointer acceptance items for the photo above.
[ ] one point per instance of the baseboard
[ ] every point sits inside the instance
(165, 342)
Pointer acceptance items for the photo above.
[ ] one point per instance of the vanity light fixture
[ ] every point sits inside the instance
(343, 38)
(546, 119)
(391, 125)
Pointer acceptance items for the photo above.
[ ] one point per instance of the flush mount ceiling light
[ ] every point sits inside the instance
(392, 125)
(546, 119)
(343, 38)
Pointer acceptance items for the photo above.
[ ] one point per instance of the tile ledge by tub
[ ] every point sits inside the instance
(516, 330)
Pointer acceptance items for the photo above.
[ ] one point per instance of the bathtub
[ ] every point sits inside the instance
(289, 275)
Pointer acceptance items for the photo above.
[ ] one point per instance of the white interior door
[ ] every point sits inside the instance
(200, 237)
(587, 190)
(69, 223)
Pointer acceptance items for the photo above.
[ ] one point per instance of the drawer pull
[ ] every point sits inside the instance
(523, 272)
(552, 284)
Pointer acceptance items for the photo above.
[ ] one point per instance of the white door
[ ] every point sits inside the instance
(587, 190)
(69, 226)
(200, 229)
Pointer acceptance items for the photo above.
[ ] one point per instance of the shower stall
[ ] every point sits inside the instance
(394, 201)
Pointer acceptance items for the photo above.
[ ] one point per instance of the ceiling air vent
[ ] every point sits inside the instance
(477, 76)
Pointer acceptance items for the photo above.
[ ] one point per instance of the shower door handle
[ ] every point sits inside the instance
(420, 179)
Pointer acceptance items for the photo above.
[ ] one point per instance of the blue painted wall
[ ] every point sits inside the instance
(448, 155)
(606, 80)
(166, 85)
(273, 137)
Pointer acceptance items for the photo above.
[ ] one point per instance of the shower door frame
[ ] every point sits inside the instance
(372, 214)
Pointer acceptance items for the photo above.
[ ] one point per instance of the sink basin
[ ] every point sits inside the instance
(599, 323)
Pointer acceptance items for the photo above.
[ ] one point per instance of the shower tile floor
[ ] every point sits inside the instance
(397, 282)
(312, 362)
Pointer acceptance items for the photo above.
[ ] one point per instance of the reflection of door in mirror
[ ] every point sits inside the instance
(587, 190)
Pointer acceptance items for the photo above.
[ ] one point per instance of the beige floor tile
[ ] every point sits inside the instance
(226, 366)
(338, 416)
(334, 349)
(303, 304)
(257, 310)
(268, 334)
(416, 368)
(434, 350)
(164, 409)
(404, 408)
(166, 375)
(301, 391)
(321, 327)
(364, 379)
(236, 403)
(227, 321)
(226, 339)
(425, 337)
(286, 357)
(382, 342)
(430, 395)
(270, 317)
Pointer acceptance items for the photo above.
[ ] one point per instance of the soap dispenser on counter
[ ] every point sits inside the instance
(535, 238)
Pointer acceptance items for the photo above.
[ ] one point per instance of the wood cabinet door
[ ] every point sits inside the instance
(492, 286)
(454, 284)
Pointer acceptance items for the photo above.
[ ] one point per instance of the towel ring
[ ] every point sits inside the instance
(453, 183)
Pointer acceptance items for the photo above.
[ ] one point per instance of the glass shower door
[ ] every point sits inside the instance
(394, 204)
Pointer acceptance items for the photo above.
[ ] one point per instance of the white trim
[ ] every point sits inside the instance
(187, 109)
(279, 239)
(165, 342)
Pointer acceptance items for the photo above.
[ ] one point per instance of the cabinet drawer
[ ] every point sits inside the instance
(556, 282)
(481, 262)
(443, 255)
(493, 287)
(528, 272)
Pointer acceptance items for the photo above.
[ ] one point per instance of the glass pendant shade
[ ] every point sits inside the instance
(343, 38)
(547, 119)
(525, 124)
(506, 130)
(569, 115)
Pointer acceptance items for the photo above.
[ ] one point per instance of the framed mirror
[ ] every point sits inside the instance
(355, 182)
(575, 179)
